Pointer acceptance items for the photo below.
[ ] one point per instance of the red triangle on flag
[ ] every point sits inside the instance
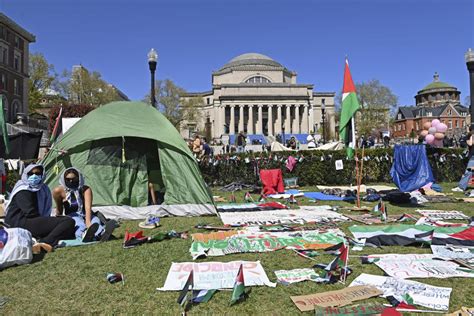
(348, 83)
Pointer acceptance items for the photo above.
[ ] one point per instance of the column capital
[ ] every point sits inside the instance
(279, 105)
(260, 105)
(232, 105)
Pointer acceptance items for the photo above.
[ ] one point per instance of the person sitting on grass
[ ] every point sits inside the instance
(74, 198)
(30, 208)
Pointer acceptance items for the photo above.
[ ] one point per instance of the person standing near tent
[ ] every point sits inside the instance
(310, 140)
(30, 208)
(74, 199)
(466, 177)
(240, 142)
(197, 146)
(292, 143)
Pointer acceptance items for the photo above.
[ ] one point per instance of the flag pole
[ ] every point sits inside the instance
(345, 266)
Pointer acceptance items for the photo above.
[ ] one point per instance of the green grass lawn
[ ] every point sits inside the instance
(73, 280)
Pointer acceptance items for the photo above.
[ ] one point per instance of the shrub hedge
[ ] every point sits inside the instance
(318, 167)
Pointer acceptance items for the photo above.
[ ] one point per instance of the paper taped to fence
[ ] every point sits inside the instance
(296, 275)
(420, 266)
(306, 214)
(439, 215)
(433, 297)
(334, 298)
(247, 241)
(214, 275)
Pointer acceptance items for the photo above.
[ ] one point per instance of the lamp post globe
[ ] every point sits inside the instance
(152, 61)
(469, 56)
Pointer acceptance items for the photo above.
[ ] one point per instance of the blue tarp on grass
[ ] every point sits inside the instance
(326, 197)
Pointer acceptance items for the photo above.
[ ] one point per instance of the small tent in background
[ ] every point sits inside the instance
(117, 147)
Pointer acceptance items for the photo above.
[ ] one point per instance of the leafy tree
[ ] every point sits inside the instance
(84, 87)
(170, 102)
(377, 102)
(43, 79)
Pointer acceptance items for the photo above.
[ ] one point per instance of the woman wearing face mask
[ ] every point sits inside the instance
(30, 208)
(74, 198)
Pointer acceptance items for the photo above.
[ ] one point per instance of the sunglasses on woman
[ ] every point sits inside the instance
(38, 173)
(70, 180)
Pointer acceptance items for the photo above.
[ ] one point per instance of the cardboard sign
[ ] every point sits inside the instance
(214, 275)
(247, 241)
(356, 310)
(335, 298)
(439, 215)
(296, 275)
(433, 297)
(304, 215)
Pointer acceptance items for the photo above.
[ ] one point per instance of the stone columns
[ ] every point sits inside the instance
(288, 119)
(279, 120)
(304, 123)
(259, 129)
(296, 126)
(220, 120)
(270, 119)
(232, 120)
(250, 121)
(241, 118)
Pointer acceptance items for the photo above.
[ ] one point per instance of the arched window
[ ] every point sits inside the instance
(257, 79)
(15, 109)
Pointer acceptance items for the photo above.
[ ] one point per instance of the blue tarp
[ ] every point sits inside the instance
(326, 197)
(411, 169)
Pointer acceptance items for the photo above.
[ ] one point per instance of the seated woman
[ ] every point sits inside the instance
(30, 208)
(75, 199)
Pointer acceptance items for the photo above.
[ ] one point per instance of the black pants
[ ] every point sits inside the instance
(50, 230)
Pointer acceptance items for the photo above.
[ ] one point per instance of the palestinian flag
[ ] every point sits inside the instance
(350, 105)
(403, 235)
(57, 127)
(383, 213)
(239, 286)
(406, 217)
(202, 296)
(248, 197)
(183, 295)
(425, 238)
(339, 263)
(379, 207)
(3, 125)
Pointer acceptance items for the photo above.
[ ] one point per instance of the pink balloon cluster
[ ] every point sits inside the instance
(433, 132)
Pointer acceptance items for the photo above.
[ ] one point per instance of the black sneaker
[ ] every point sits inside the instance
(90, 233)
(101, 217)
(109, 229)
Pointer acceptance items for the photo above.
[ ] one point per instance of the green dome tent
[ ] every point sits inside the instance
(118, 147)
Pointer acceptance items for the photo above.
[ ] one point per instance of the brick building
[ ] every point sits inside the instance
(14, 59)
(438, 100)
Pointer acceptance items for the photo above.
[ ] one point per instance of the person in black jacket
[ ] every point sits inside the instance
(30, 208)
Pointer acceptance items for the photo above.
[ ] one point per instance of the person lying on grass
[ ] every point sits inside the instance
(30, 208)
(74, 198)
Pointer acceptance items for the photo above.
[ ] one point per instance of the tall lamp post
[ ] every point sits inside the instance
(470, 67)
(323, 116)
(152, 60)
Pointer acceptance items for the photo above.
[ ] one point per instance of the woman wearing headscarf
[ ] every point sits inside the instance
(30, 206)
(74, 198)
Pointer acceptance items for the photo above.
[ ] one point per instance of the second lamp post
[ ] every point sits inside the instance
(152, 60)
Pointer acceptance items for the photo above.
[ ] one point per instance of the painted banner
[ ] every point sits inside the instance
(453, 252)
(356, 310)
(306, 214)
(420, 266)
(296, 275)
(433, 297)
(214, 275)
(334, 298)
(247, 241)
(438, 214)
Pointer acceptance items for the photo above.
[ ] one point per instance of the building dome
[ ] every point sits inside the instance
(436, 84)
(251, 61)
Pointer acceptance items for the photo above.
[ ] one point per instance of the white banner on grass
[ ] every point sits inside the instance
(439, 215)
(420, 266)
(305, 214)
(453, 252)
(422, 294)
(214, 275)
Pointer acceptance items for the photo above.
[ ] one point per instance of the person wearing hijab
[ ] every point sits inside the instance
(74, 199)
(30, 206)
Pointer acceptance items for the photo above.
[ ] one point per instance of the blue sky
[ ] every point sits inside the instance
(401, 43)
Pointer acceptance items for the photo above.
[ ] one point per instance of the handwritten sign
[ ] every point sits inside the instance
(433, 297)
(439, 215)
(265, 241)
(296, 275)
(334, 298)
(301, 216)
(356, 310)
(215, 275)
